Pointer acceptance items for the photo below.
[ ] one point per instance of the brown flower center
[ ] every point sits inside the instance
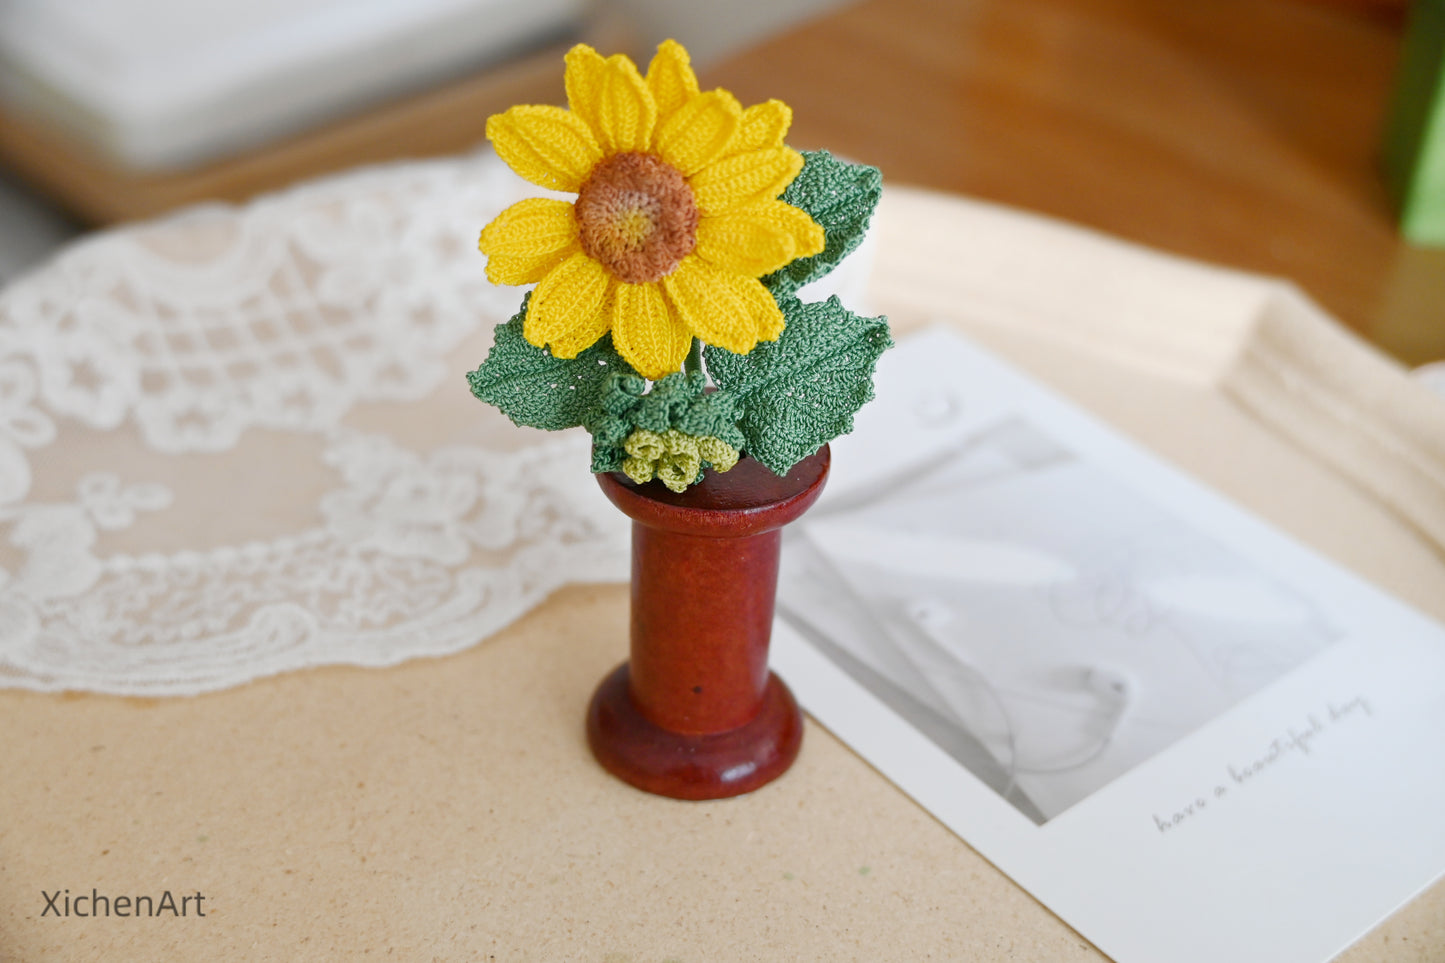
(637, 217)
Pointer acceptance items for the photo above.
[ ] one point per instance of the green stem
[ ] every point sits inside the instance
(694, 357)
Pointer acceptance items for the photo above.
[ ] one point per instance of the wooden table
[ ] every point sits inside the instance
(1241, 132)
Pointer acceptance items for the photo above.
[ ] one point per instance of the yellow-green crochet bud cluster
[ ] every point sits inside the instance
(673, 458)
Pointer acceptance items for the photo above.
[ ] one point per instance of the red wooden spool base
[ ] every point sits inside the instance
(683, 766)
(696, 714)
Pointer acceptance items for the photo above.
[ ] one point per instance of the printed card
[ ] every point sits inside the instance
(1188, 735)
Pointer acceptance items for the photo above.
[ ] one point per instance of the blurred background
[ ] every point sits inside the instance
(1299, 138)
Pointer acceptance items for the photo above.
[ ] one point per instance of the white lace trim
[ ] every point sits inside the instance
(137, 361)
(283, 314)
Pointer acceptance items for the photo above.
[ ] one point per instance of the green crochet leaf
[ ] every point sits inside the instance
(607, 457)
(841, 198)
(713, 416)
(800, 392)
(537, 390)
(612, 420)
(678, 402)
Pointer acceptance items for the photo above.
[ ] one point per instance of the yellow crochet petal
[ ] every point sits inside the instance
(742, 244)
(670, 77)
(504, 269)
(699, 132)
(763, 310)
(587, 326)
(549, 146)
(759, 238)
(626, 113)
(763, 125)
(711, 304)
(758, 175)
(564, 308)
(646, 332)
(583, 80)
(536, 226)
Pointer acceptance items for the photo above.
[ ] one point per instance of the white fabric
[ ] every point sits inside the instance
(209, 457)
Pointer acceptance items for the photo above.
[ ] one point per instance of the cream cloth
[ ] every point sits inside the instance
(237, 442)
(448, 808)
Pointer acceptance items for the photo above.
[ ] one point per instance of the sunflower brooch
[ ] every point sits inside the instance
(665, 318)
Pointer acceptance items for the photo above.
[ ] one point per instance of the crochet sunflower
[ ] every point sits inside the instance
(675, 220)
(693, 226)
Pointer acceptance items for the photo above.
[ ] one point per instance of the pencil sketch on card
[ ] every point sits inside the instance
(1044, 624)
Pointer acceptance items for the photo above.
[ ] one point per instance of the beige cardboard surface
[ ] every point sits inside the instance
(448, 809)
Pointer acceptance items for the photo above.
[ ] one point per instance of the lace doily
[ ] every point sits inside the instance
(238, 442)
